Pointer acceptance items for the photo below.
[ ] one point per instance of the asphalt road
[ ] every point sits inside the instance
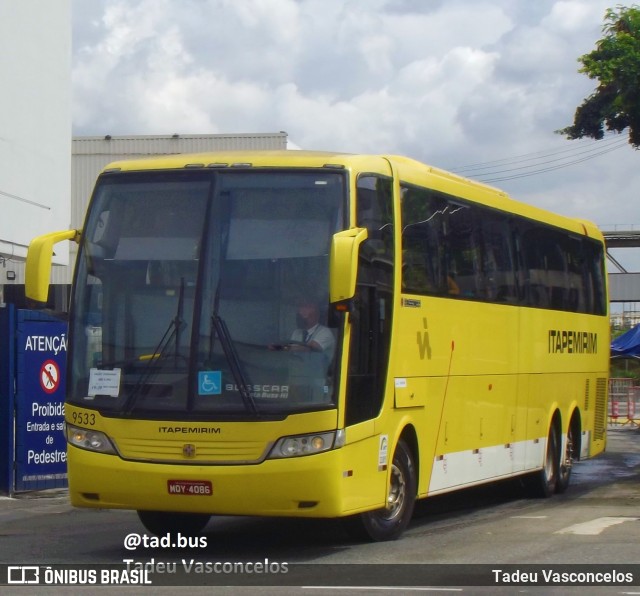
(453, 540)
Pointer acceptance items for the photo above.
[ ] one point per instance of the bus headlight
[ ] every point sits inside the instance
(92, 440)
(307, 444)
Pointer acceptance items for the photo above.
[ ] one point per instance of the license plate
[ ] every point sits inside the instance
(190, 487)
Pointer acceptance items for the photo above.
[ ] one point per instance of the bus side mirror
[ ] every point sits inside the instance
(343, 263)
(38, 267)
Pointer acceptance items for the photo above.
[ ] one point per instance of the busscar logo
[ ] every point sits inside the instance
(23, 574)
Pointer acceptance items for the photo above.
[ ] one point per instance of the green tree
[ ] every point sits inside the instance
(615, 64)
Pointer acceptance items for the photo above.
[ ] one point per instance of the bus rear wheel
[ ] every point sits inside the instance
(161, 523)
(389, 522)
(568, 457)
(545, 481)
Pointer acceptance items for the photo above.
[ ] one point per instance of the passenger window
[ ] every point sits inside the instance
(423, 242)
(459, 249)
(464, 253)
(555, 268)
(498, 262)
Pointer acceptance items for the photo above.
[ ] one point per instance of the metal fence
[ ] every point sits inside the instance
(624, 402)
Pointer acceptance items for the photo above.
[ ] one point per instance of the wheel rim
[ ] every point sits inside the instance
(397, 494)
(549, 462)
(568, 453)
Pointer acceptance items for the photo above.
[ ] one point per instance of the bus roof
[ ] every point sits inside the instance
(408, 170)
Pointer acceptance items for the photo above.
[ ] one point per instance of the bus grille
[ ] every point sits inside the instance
(192, 451)
(601, 408)
(587, 388)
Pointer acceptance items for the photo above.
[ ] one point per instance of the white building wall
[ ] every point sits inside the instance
(35, 127)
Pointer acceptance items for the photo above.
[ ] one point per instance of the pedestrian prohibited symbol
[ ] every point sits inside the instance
(209, 382)
(50, 376)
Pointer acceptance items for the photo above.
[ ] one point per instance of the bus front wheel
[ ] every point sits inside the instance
(389, 522)
(161, 523)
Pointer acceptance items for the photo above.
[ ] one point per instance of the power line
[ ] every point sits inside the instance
(536, 156)
(537, 162)
(23, 200)
(591, 151)
(547, 169)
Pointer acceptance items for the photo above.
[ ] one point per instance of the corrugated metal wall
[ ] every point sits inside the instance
(92, 154)
(624, 287)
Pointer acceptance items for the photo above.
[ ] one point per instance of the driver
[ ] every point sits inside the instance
(310, 335)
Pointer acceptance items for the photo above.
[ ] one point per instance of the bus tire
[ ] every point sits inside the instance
(566, 461)
(546, 480)
(389, 522)
(161, 523)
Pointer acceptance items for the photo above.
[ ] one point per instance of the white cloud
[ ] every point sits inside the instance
(450, 83)
(574, 16)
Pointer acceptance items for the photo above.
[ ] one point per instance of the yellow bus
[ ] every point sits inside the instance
(322, 335)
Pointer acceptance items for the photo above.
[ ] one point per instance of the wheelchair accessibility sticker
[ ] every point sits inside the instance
(209, 382)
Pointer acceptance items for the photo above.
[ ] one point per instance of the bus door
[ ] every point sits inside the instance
(370, 320)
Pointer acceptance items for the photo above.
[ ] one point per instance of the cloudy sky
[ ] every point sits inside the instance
(474, 86)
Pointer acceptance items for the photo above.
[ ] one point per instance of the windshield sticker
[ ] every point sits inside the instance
(104, 382)
(209, 382)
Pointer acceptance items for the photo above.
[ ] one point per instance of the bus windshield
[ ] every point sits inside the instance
(204, 294)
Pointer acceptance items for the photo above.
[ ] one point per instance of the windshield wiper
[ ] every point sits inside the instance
(174, 330)
(234, 363)
(178, 322)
